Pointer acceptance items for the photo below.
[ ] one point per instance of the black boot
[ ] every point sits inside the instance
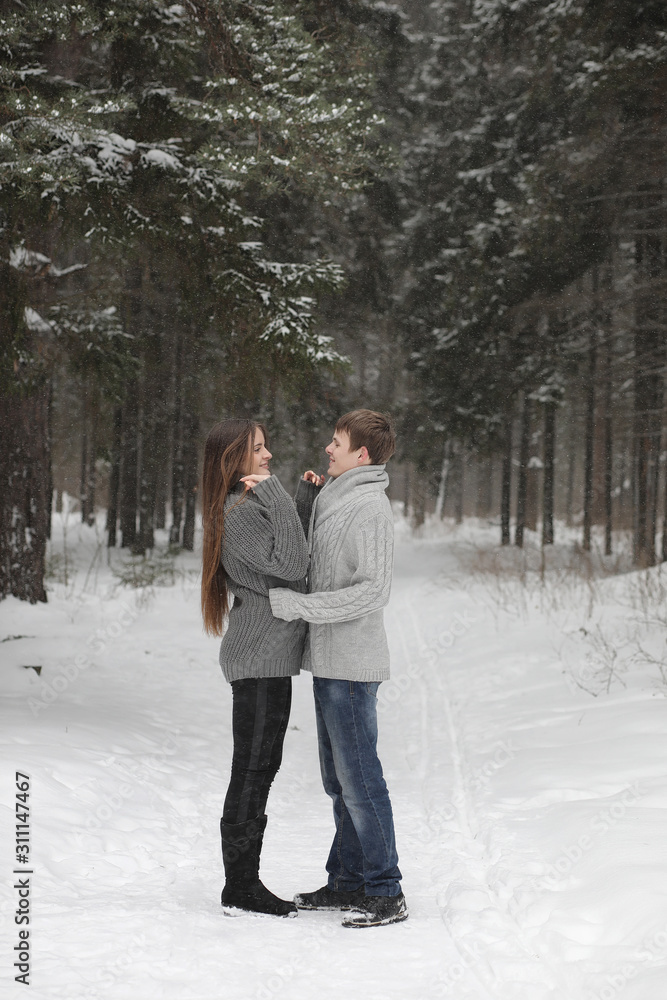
(241, 848)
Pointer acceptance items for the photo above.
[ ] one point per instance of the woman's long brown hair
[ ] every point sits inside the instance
(227, 457)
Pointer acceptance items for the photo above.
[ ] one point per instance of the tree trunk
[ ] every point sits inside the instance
(506, 485)
(177, 465)
(442, 485)
(25, 497)
(637, 533)
(91, 467)
(135, 298)
(114, 478)
(571, 465)
(589, 440)
(548, 492)
(460, 487)
(88, 451)
(608, 447)
(532, 493)
(166, 402)
(653, 487)
(624, 503)
(147, 477)
(25, 447)
(162, 473)
(407, 489)
(485, 487)
(91, 483)
(664, 517)
(524, 447)
(83, 478)
(128, 491)
(649, 364)
(419, 501)
(49, 446)
(191, 429)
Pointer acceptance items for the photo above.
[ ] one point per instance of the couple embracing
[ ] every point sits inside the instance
(309, 579)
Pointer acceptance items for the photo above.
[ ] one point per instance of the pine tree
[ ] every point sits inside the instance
(148, 130)
(535, 123)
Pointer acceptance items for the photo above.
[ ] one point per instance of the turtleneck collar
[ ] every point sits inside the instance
(351, 484)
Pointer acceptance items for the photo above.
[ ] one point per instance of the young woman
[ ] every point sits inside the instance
(253, 540)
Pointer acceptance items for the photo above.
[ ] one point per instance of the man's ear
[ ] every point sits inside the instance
(363, 454)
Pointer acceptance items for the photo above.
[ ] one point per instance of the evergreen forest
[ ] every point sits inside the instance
(454, 211)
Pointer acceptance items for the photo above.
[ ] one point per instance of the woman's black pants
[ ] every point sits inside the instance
(260, 713)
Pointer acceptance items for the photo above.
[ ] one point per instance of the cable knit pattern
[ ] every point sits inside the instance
(351, 541)
(263, 546)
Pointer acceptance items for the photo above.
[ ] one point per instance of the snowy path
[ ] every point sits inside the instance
(491, 957)
(529, 816)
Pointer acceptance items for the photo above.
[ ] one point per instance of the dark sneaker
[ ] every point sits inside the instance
(329, 899)
(376, 911)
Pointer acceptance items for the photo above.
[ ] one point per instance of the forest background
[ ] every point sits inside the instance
(453, 211)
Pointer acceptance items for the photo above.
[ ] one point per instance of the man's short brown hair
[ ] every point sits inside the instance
(371, 430)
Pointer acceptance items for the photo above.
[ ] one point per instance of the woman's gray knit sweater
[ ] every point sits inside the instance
(263, 546)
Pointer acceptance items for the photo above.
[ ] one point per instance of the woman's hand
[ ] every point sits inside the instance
(251, 481)
(312, 477)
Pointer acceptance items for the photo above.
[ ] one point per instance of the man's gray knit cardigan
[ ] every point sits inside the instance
(351, 540)
(263, 546)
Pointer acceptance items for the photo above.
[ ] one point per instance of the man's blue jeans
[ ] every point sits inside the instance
(363, 852)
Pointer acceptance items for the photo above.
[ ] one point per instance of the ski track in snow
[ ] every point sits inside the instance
(497, 960)
(501, 776)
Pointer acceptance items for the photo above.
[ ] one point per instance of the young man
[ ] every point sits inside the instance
(351, 537)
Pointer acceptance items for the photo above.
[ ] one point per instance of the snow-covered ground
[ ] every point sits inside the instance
(524, 742)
